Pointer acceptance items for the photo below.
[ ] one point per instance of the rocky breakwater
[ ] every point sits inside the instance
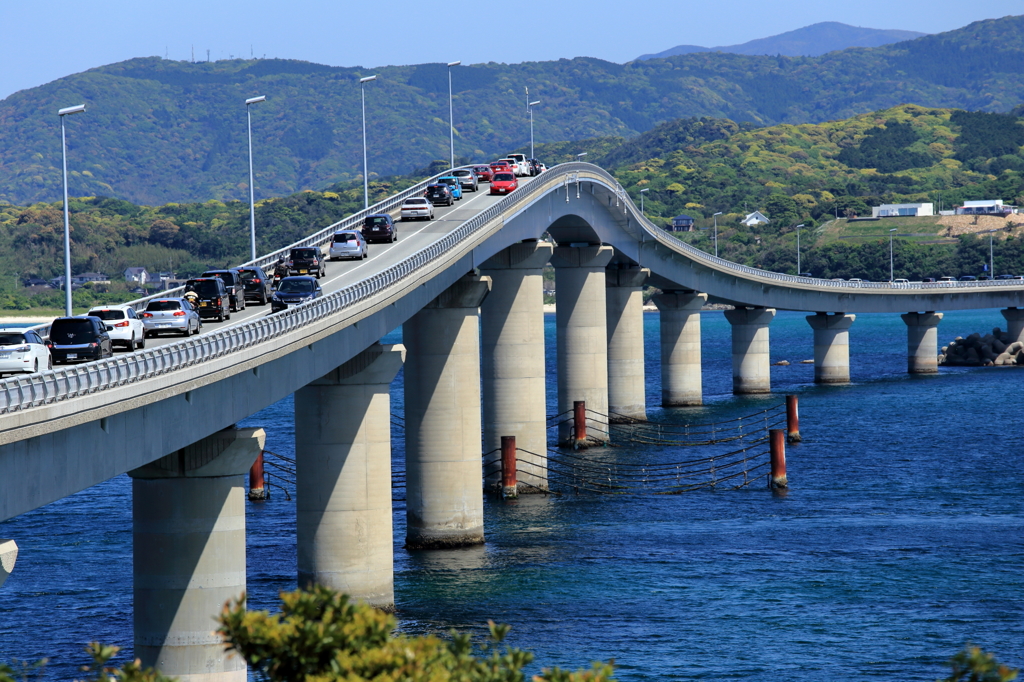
(995, 349)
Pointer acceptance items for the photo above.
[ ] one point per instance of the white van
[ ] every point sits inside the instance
(519, 164)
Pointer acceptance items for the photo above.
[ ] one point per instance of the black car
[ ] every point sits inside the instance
(306, 260)
(379, 228)
(534, 165)
(439, 195)
(292, 291)
(257, 285)
(233, 283)
(79, 339)
(213, 297)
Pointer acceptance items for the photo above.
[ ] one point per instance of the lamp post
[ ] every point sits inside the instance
(67, 224)
(991, 256)
(642, 200)
(715, 216)
(530, 107)
(798, 248)
(892, 274)
(579, 157)
(366, 175)
(252, 188)
(451, 115)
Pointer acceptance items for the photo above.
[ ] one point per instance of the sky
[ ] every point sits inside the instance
(43, 42)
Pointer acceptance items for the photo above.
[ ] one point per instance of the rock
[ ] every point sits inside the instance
(1020, 357)
(972, 355)
(807, 362)
(998, 346)
(780, 363)
(1004, 359)
(1014, 347)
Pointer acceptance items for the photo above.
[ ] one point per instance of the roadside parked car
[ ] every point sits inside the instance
(438, 195)
(349, 244)
(79, 339)
(380, 228)
(128, 330)
(22, 351)
(483, 173)
(213, 297)
(258, 286)
(233, 283)
(417, 208)
(454, 184)
(306, 260)
(293, 291)
(504, 183)
(467, 178)
(176, 315)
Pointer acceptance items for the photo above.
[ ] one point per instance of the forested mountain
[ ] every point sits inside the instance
(158, 131)
(809, 41)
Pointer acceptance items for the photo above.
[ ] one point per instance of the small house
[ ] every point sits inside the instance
(901, 210)
(137, 276)
(755, 218)
(682, 223)
(986, 207)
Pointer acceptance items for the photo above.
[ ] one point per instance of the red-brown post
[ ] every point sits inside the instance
(792, 420)
(257, 490)
(509, 483)
(777, 441)
(579, 420)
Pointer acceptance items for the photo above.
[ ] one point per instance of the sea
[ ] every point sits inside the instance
(899, 541)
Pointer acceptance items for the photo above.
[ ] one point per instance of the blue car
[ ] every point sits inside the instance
(454, 184)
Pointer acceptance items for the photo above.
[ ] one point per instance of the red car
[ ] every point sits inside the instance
(504, 182)
(502, 167)
(484, 173)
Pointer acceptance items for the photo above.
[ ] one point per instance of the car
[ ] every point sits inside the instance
(438, 194)
(504, 183)
(380, 228)
(293, 291)
(454, 184)
(306, 260)
(968, 278)
(233, 283)
(927, 280)
(128, 330)
(535, 166)
(79, 339)
(901, 280)
(483, 173)
(501, 166)
(519, 161)
(947, 278)
(855, 279)
(212, 297)
(985, 278)
(417, 208)
(22, 351)
(176, 315)
(467, 178)
(349, 244)
(258, 286)
(804, 274)
(1004, 276)
(1018, 276)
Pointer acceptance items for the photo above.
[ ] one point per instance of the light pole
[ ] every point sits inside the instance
(891, 270)
(67, 225)
(252, 188)
(798, 248)
(530, 107)
(642, 200)
(366, 175)
(579, 157)
(991, 256)
(451, 115)
(715, 216)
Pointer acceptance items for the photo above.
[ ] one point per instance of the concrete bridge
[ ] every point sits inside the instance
(466, 288)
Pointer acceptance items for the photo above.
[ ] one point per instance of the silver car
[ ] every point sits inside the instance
(415, 208)
(348, 244)
(22, 351)
(163, 315)
(467, 178)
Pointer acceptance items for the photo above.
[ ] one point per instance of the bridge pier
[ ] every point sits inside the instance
(681, 379)
(1014, 323)
(831, 347)
(343, 477)
(922, 342)
(8, 557)
(512, 338)
(751, 362)
(582, 334)
(188, 531)
(444, 496)
(624, 312)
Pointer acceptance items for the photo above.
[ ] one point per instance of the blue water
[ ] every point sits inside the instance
(899, 540)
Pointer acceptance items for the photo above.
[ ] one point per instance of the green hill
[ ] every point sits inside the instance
(158, 130)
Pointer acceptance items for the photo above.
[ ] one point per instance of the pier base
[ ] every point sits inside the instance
(681, 382)
(1014, 323)
(624, 312)
(831, 347)
(8, 557)
(922, 342)
(751, 362)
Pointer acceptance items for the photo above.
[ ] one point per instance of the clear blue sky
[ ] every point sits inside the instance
(45, 41)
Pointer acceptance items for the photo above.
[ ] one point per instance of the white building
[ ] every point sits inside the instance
(894, 210)
(986, 207)
(755, 218)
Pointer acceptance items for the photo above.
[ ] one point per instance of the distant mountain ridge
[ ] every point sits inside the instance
(809, 41)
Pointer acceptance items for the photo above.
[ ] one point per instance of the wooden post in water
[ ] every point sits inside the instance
(509, 482)
(792, 420)
(579, 422)
(777, 440)
(257, 489)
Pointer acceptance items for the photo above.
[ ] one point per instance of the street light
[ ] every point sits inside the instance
(366, 176)
(67, 225)
(891, 271)
(451, 115)
(991, 256)
(580, 156)
(530, 107)
(252, 189)
(642, 200)
(715, 216)
(798, 248)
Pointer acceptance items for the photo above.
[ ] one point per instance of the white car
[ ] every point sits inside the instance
(127, 328)
(416, 208)
(22, 351)
(519, 163)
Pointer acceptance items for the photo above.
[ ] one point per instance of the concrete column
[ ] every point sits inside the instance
(751, 363)
(681, 382)
(582, 335)
(624, 312)
(189, 554)
(922, 342)
(343, 477)
(8, 556)
(513, 376)
(831, 347)
(1014, 323)
(444, 472)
